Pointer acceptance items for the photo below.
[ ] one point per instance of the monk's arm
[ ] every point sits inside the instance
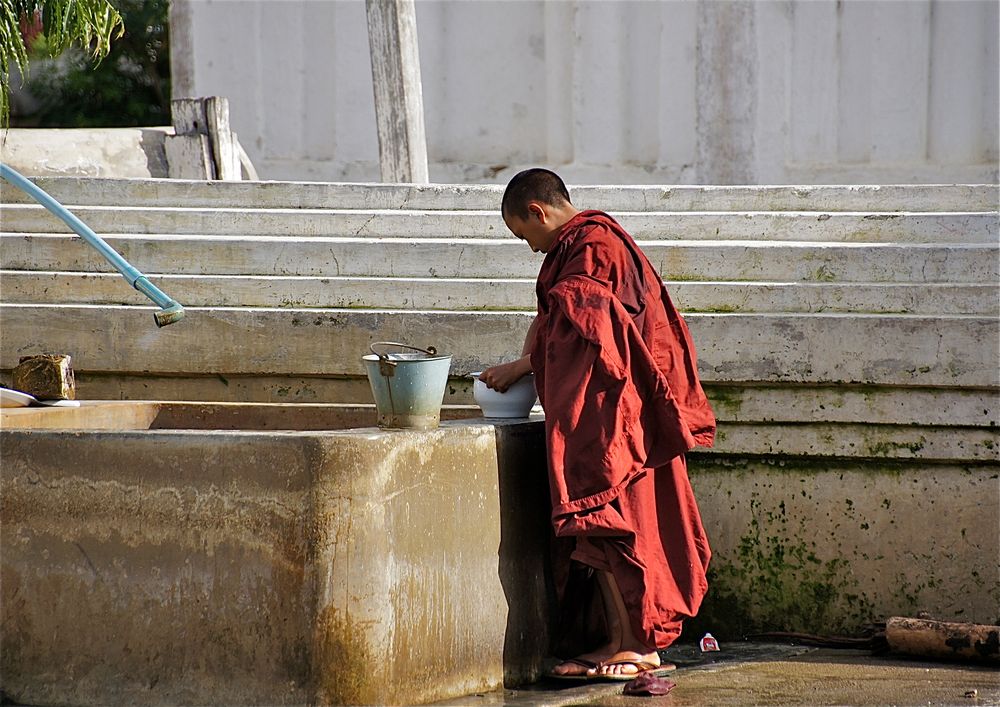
(506, 374)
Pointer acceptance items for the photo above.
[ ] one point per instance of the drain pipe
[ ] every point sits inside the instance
(170, 311)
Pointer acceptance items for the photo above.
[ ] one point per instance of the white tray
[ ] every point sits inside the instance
(16, 399)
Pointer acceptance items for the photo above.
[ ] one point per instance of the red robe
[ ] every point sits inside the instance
(616, 374)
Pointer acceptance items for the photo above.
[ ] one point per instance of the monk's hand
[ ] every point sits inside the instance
(502, 377)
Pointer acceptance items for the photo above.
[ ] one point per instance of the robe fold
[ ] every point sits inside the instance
(616, 374)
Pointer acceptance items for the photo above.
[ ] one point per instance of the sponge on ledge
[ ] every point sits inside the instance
(45, 376)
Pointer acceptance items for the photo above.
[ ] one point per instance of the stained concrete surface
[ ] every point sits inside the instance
(247, 567)
(770, 674)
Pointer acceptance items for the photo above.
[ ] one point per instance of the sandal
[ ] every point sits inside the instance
(644, 668)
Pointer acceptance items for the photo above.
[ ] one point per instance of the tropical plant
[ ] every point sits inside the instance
(91, 23)
(130, 87)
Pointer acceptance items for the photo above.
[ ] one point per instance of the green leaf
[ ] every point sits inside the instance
(93, 24)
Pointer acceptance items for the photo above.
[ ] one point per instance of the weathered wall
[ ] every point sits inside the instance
(86, 152)
(829, 545)
(790, 91)
(140, 569)
(354, 567)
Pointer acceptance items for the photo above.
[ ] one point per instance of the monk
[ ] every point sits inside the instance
(616, 375)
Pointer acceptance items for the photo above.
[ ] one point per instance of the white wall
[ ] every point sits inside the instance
(784, 91)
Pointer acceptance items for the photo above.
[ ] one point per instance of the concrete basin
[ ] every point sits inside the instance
(166, 553)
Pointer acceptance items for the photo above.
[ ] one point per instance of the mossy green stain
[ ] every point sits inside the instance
(716, 309)
(728, 398)
(715, 462)
(776, 583)
(822, 274)
(884, 449)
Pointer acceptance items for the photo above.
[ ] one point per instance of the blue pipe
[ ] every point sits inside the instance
(170, 311)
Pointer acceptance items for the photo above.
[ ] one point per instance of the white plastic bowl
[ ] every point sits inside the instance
(516, 402)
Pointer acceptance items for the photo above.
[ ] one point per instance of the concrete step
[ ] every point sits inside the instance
(502, 258)
(160, 192)
(469, 294)
(943, 407)
(766, 348)
(734, 406)
(858, 441)
(846, 227)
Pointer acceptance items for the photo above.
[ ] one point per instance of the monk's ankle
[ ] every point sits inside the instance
(638, 649)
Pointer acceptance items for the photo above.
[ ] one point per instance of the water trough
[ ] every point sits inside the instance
(279, 554)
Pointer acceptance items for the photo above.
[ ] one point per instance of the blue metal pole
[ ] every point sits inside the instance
(170, 311)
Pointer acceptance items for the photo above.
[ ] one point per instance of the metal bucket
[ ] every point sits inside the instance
(408, 387)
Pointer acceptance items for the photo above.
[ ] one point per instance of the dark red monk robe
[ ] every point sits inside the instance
(616, 374)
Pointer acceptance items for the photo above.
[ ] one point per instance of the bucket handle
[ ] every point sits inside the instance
(384, 358)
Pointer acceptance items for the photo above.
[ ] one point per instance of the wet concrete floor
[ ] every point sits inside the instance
(770, 674)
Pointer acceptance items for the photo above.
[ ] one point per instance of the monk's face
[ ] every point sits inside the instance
(538, 230)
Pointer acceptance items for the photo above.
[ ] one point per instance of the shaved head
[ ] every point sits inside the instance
(533, 185)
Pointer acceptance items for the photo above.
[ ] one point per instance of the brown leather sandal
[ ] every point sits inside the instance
(643, 667)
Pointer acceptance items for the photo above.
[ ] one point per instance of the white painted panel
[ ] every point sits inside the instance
(495, 70)
(228, 65)
(559, 72)
(678, 104)
(854, 115)
(355, 136)
(281, 98)
(319, 108)
(900, 80)
(605, 91)
(432, 26)
(990, 78)
(814, 82)
(958, 37)
(600, 106)
(727, 96)
(771, 136)
(640, 47)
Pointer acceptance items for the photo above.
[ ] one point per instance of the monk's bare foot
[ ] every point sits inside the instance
(585, 663)
(628, 663)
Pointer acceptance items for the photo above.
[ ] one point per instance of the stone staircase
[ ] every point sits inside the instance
(833, 305)
(838, 289)
(848, 337)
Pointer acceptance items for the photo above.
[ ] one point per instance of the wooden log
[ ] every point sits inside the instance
(189, 150)
(399, 106)
(941, 639)
(247, 170)
(45, 376)
(189, 116)
(227, 161)
(189, 157)
(203, 145)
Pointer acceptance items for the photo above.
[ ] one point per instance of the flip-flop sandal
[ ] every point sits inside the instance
(574, 676)
(644, 668)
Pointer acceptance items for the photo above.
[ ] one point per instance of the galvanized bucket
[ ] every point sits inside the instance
(408, 387)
